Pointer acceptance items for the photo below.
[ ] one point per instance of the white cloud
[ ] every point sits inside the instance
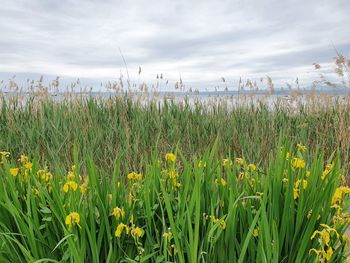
(202, 40)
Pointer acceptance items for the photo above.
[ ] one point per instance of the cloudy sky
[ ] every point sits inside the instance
(200, 40)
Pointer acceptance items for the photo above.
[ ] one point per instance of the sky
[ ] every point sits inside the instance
(201, 41)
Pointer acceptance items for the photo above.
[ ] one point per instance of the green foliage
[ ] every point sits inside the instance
(119, 127)
(187, 210)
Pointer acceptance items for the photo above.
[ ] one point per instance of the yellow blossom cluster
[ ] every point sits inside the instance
(297, 185)
(24, 168)
(227, 162)
(3, 156)
(301, 147)
(338, 204)
(135, 231)
(133, 176)
(135, 179)
(240, 161)
(72, 219)
(70, 181)
(119, 212)
(339, 194)
(170, 157)
(202, 164)
(215, 220)
(298, 163)
(170, 173)
(44, 175)
(327, 170)
(220, 181)
(325, 252)
(256, 232)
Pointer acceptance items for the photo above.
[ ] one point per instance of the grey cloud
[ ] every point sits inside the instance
(76, 37)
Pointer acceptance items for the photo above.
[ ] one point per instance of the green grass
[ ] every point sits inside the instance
(193, 210)
(122, 128)
(189, 211)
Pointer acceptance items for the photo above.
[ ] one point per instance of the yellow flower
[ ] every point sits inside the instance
(73, 185)
(329, 168)
(295, 193)
(256, 232)
(214, 219)
(226, 162)
(83, 188)
(329, 254)
(44, 175)
(324, 235)
(131, 176)
(170, 157)
(136, 232)
(339, 194)
(202, 164)
(71, 173)
(176, 184)
(251, 167)
(168, 235)
(23, 159)
(241, 175)
(223, 224)
(309, 214)
(28, 166)
(72, 219)
(48, 176)
(14, 171)
(138, 177)
(4, 155)
(296, 190)
(127, 229)
(65, 187)
(117, 212)
(110, 197)
(287, 156)
(298, 163)
(85, 185)
(326, 251)
(70, 185)
(119, 230)
(173, 174)
(301, 148)
(134, 176)
(240, 161)
(323, 255)
(298, 182)
(222, 181)
(308, 173)
(330, 229)
(70, 176)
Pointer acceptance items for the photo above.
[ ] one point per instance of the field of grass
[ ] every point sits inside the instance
(114, 180)
(124, 129)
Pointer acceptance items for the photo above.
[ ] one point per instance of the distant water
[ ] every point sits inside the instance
(230, 98)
